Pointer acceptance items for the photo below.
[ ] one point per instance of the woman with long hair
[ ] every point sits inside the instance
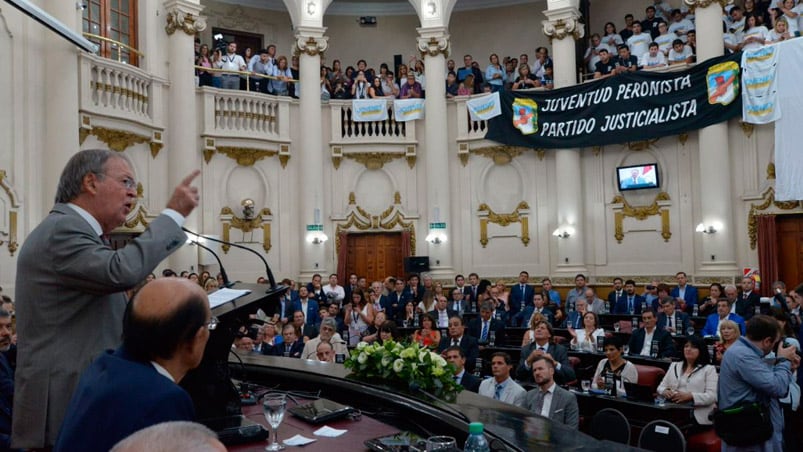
(359, 314)
(427, 335)
(693, 380)
(586, 338)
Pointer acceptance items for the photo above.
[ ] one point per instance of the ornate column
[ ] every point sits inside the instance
(61, 98)
(563, 27)
(310, 43)
(183, 156)
(433, 42)
(715, 187)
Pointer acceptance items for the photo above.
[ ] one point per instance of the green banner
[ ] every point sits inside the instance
(635, 106)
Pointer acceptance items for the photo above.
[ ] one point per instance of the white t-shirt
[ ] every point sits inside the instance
(648, 60)
(758, 32)
(612, 40)
(681, 56)
(639, 44)
(681, 28)
(665, 41)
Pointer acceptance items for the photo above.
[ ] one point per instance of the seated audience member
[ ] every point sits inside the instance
(755, 35)
(780, 31)
(412, 89)
(614, 367)
(428, 335)
(709, 303)
(639, 43)
(549, 399)
(625, 62)
(642, 339)
(243, 344)
(672, 320)
(680, 53)
(543, 346)
(575, 318)
(375, 90)
(663, 292)
(653, 58)
(630, 303)
(268, 338)
(592, 55)
(407, 316)
(6, 379)
(389, 332)
(327, 334)
(685, 292)
(442, 313)
(749, 300)
(501, 386)
(542, 61)
(482, 327)
(292, 346)
(617, 293)
(466, 87)
(651, 292)
(458, 338)
(308, 306)
(586, 339)
(457, 357)
(593, 303)
(692, 40)
(306, 332)
(665, 39)
(693, 380)
(165, 330)
(539, 306)
(502, 310)
(451, 85)
(174, 436)
(325, 352)
(458, 303)
(389, 86)
(371, 334)
(712, 323)
(529, 335)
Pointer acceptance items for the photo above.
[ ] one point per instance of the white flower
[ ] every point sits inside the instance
(437, 371)
(362, 358)
(437, 359)
(407, 353)
(386, 360)
(398, 365)
(362, 345)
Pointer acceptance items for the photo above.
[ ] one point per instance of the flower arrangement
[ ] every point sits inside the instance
(403, 365)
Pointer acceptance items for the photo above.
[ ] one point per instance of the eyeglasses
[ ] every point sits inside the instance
(129, 183)
(212, 323)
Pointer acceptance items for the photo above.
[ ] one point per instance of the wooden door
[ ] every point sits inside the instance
(790, 249)
(375, 255)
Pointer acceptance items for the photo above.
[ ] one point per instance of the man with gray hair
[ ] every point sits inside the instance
(71, 284)
(175, 436)
(328, 333)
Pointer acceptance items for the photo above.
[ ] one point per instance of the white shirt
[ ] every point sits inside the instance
(443, 319)
(683, 27)
(680, 56)
(592, 63)
(646, 348)
(547, 404)
(665, 41)
(95, 225)
(339, 292)
(231, 62)
(755, 32)
(639, 44)
(162, 371)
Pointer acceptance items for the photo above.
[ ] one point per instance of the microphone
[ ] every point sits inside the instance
(223, 274)
(237, 245)
(415, 387)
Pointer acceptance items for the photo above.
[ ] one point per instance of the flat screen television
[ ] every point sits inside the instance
(638, 177)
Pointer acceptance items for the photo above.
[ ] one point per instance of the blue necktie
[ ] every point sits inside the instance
(498, 392)
(484, 334)
(629, 304)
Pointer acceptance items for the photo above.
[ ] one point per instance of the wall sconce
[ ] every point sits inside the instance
(248, 208)
(315, 234)
(710, 229)
(437, 229)
(563, 232)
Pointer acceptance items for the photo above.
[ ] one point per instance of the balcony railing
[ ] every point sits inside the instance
(242, 114)
(120, 91)
(347, 131)
(467, 129)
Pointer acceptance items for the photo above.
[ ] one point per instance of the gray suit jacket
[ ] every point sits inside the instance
(70, 304)
(563, 408)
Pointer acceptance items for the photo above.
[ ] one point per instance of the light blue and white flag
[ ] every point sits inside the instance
(760, 85)
(408, 109)
(367, 110)
(485, 107)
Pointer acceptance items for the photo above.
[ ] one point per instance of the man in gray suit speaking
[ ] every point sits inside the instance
(71, 285)
(549, 399)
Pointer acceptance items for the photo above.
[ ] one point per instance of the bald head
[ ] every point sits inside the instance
(167, 320)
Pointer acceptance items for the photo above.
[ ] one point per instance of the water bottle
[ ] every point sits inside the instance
(643, 306)
(476, 441)
(478, 367)
(492, 339)
(571, 307)
(607, 306)
(758, 310)
(654, 349)
(695, 311)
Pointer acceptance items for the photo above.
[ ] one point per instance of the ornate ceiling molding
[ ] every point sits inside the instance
(623, 209)
(769, 201)
(694, 4)
(243, 156)
(184, 16)
(519, 215)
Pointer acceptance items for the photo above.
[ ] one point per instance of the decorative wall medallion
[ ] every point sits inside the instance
(520, 215)
(641, 213)
(178, 19)
(117, 140)
(244, 156)
(246, 225)
(501, 155)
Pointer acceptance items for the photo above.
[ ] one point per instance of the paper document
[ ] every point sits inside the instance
(328, 432)
(298, 440)
(224, 295)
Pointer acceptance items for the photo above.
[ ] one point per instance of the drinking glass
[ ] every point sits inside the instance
(441, 444)
(690, 331)
(660, 400)
(626, 349)
(586, 385)
(616, 327)
(273, 406)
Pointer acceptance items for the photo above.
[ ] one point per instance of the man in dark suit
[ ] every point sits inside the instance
(455, 356)
(473, 288)
(543, 346)
(481, 328)
(617, 292)
(672, 320)
(458, 302)
(397, 299)
(165, 331)
(521, 294)
(641, 340)
(629, 302)
(67, 269)
(575, 318)
(749, 300)
(684, 291)
(442, 313)
(458, 338)
(351, 287)
(292, 345)
(538, 307)
(305, 331)
(562, 406)
(6, 381)
(460, 284)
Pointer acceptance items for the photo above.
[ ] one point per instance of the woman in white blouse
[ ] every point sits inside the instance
(586, 339)
(693, 380)
(622, 370)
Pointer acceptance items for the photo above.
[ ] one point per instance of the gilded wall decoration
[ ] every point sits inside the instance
(179, 17)
(247, 223)
(659, 207)
(694, 4)
(14, 203)
(771, 171)
(117, 140)
(747, 128)
(501, 155)
(519, 215)
(140, 217)
(244, 156)
(434, 45)
(391, 219)
(769, 200)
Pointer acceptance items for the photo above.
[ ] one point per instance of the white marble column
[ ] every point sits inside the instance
(563, 28)
(716, 204)
(58, 56)
(433, 42)
(310, 42)
(183, 155)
